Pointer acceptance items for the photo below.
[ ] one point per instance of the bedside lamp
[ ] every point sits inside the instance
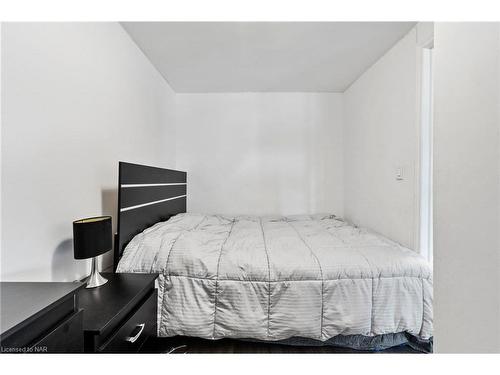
(91, 238)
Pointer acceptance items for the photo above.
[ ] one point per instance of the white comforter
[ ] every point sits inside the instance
(272, 278)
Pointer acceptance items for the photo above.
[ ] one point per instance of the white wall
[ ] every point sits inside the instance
(76, 99)
(380, 135)
(261, 153)
(467, 187)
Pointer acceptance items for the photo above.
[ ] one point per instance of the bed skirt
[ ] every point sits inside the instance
(360, 342)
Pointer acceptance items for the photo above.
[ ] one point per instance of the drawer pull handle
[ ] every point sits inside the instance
(133, 335)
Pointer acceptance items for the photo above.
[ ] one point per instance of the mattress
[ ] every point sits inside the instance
(274, 278)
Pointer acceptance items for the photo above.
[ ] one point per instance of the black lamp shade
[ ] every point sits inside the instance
(92, 236)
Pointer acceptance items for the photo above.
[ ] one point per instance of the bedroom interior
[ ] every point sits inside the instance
(260, 187)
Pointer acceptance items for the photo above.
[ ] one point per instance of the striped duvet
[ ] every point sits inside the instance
(272, 278)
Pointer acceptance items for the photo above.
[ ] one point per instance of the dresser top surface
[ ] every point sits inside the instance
(20, 301)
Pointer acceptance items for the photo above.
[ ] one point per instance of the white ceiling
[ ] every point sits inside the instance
(264, 56)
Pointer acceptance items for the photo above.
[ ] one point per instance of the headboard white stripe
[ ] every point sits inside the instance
(148, 185)
(150, 203)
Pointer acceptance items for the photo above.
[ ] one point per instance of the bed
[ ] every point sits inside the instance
(304, 279)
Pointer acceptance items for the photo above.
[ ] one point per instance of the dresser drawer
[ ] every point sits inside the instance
(67, 337)
(132, 334)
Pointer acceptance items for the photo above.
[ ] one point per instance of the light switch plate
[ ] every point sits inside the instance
(399, 174)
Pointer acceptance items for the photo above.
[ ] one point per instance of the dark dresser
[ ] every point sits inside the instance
(40, 317)
(120, 315)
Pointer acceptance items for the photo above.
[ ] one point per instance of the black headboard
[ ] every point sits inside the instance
(146, 196)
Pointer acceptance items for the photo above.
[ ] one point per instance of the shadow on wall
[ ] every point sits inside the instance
(109, 205)
(64, 266)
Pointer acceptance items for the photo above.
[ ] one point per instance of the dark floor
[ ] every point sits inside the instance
(181, 344)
